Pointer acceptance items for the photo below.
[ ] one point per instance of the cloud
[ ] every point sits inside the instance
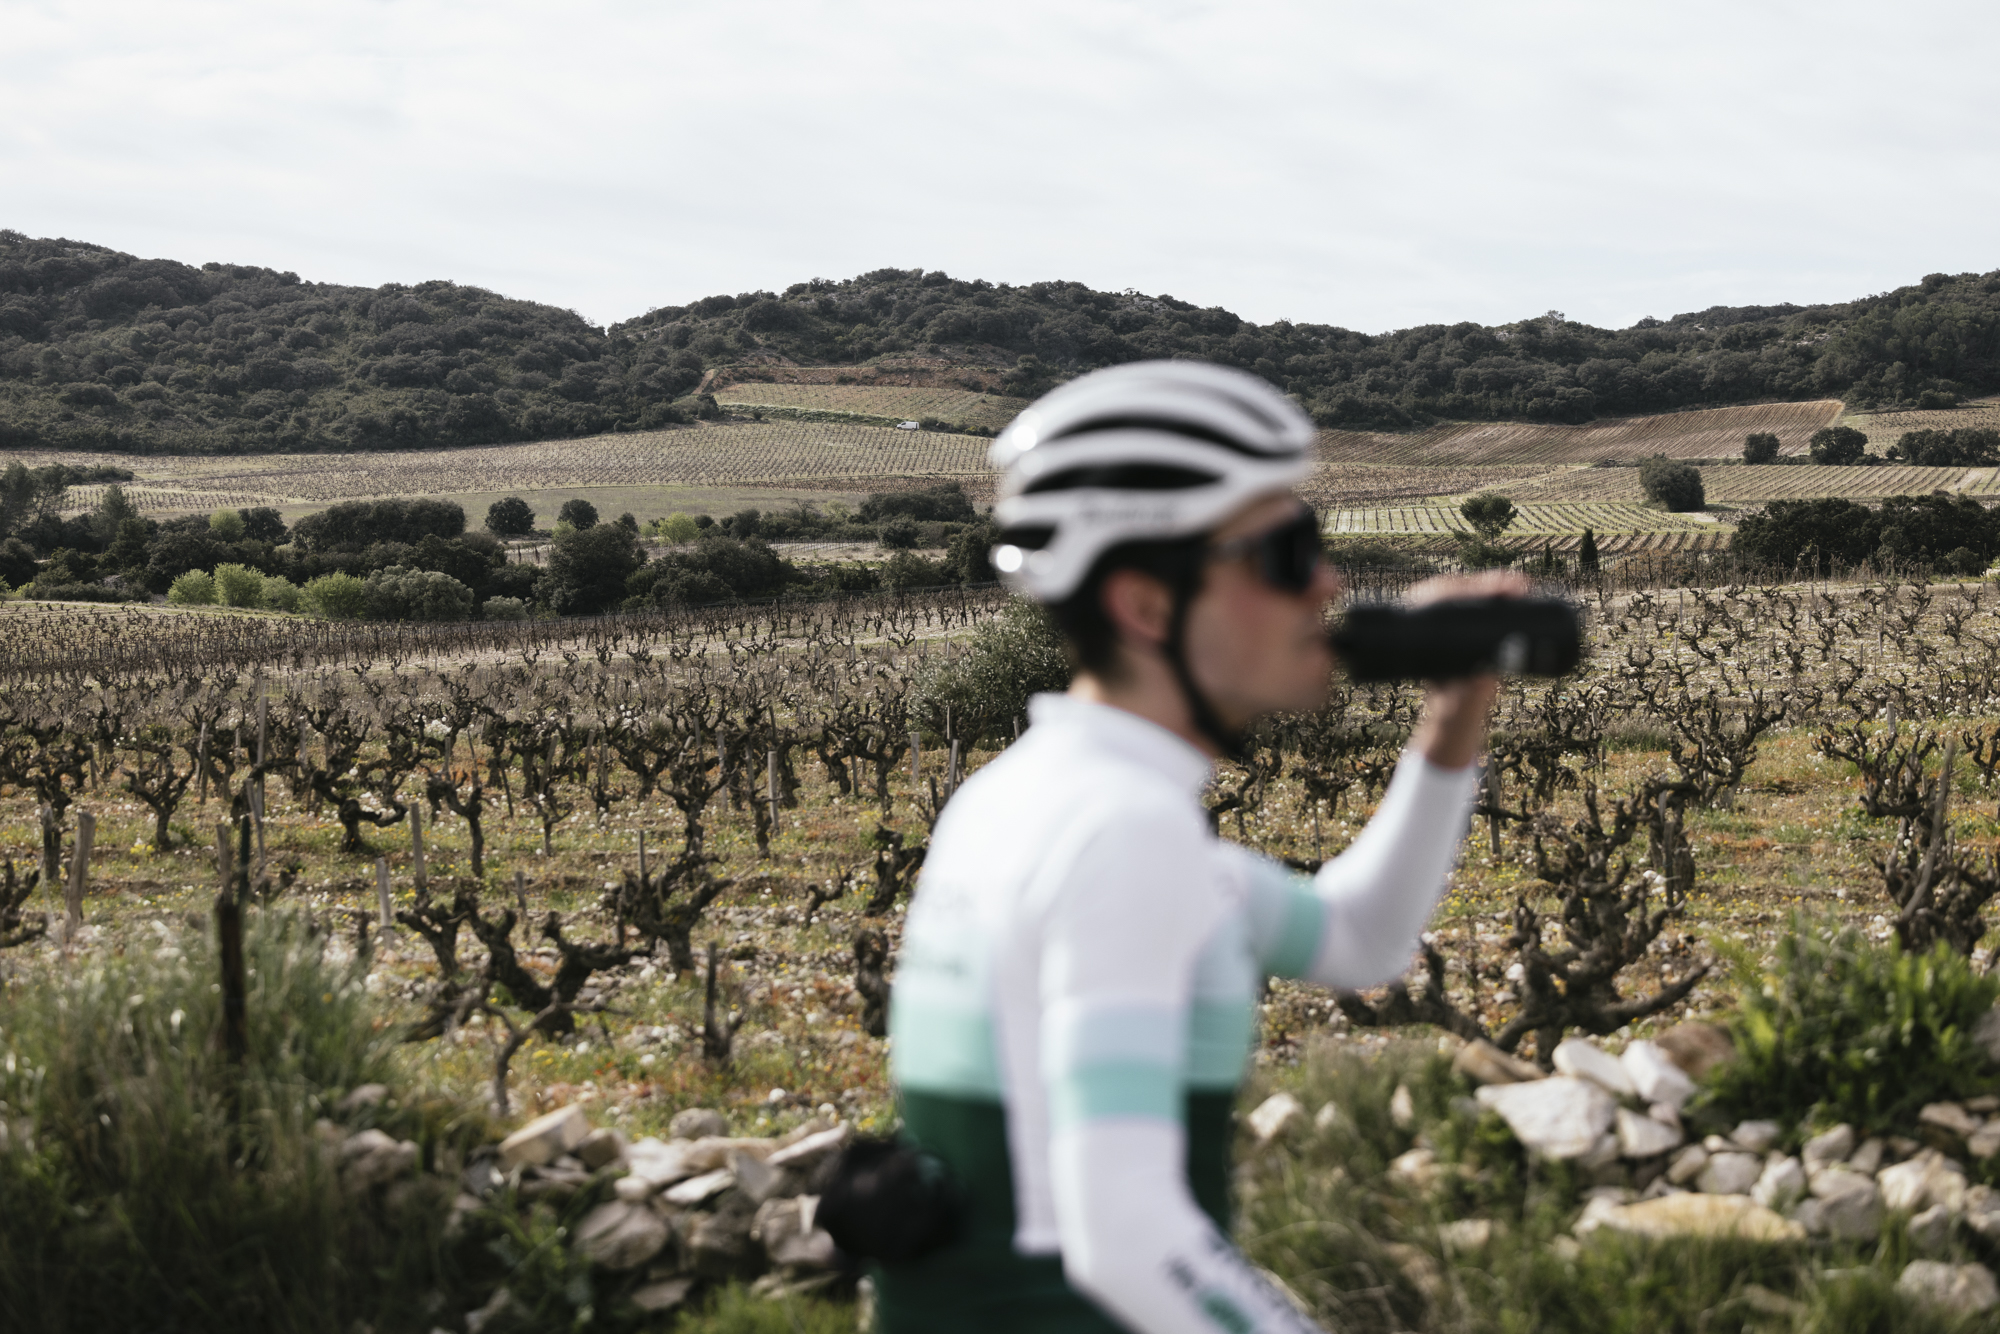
(1366, 165)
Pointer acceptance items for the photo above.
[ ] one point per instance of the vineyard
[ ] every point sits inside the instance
(1534, 520)
(1885, 428)
(884, 403)
(1711, 434)
(1741, 484)
(652, 863)
(811, 454)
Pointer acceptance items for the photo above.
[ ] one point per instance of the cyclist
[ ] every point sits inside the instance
(1076, 999)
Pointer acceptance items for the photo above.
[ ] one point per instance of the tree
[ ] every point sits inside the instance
(238, 586)
(1760, 447)
(588, 568)
(1586, 552)
(227, 524)
(510, 517)
(1488, 513)
(1672, 483)
(1822, 532)
(1966, 447)
(263, 524)
(112, 511)
(196, 588)
(1837, 445)
(1929, 530)
(339, 596)
(579, 513)
(399, 593)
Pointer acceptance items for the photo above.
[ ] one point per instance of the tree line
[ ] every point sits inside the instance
(417, 560)
(103, 350)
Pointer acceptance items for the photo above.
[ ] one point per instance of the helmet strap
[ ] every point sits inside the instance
(1227, 740)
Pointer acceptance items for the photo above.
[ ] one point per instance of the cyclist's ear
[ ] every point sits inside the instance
(1139, 606)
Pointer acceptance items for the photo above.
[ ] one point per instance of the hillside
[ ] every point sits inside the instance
(105, 351)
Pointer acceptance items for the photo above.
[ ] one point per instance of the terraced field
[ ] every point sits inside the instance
(1534, 520)
(808, 455)
(1883, 429)
(1742, 485)
(884, 403)
(1712, 434)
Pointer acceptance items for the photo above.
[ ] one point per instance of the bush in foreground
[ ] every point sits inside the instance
(162, 1188)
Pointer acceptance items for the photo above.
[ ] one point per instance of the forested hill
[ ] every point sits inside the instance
(102, 350)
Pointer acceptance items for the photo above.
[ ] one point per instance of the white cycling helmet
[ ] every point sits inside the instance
(1146, 452)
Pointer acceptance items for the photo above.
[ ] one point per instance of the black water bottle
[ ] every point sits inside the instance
(1380, 641)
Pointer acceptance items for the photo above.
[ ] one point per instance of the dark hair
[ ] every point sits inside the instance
(1087, 630)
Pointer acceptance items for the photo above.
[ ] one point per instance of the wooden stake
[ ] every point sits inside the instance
(521, 893)
(383, 899)
(229, 937)
(417, 844)
(916, 758)
(79, 873)
(771, 785)
(201, 766)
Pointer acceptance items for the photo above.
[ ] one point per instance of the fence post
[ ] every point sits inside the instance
(417, 844)
(383, 898)
(229, 938)
(79, 873)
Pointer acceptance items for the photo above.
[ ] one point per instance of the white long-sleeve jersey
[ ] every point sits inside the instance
(1079, 978)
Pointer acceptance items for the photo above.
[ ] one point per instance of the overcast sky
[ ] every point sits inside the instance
(1371, 165)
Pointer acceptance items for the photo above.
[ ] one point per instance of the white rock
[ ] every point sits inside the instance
(806, 1152)
(1754, 1136)
(1729, 1174)
(1930, 1231)
(372, 1158)
(1655, 1076)
(1868, 1156)
(1986, 1033)
(1810, 1214)
(1418, 1167)
(1687, 1215)
(755, 1177)
(1982, 1211)
(1464, 1236)
(1643, 1137)
(1402, 1108)
(1687, 1164)
(1927, 1179)
(1274, 1116)
(665, 1295)
(1561, 1117)
(1586, 1060)
(1483, 1063)
(619, 1235)
(1602, 1153)
(1961, 1290)
(1850, 1203)
(659, 1164)
(1327, 1117)
(1826, 1149)
(633, 1189)
(545, 1139)
(1985, 1141)
(601, 1148)
(697, 1123)
(1949, 1116)
(696, 1189)
(1782, 1183)
(1664, 1114)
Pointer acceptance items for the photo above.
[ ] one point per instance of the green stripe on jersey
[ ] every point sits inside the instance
(1298, 940)
(1220, 1036)
(944, 1048)
(1115, 1088)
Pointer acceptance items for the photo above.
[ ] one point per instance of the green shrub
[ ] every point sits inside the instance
(163, 1188)
(1016, 654)
(1846, 1030)
(1672, 484)
(227, 524)
(238, 586)
(196, 588)
(1760, 447)
(677, 528)
(503, 609)
(280, 593)
(398, 593)
(338, 596)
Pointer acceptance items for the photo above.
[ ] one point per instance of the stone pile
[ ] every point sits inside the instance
(699, 1206)
(1618, 1118)
(656, 1219)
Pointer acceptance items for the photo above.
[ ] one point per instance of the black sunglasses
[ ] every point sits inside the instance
(1287, 557)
